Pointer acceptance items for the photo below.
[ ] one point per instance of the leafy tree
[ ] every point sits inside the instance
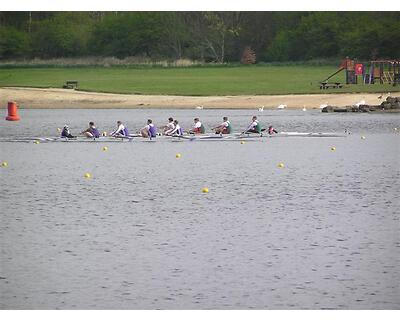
(221, 29)
(372, 37)
(128, 34)
(13, 43)
(63, 35)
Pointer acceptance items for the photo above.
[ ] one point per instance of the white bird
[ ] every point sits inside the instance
(261, 109)
(323, 105)
(304, 108)
(282, 106)
(360, 103)
(199, 107)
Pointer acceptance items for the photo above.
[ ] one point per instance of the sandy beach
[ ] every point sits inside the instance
(52, 98)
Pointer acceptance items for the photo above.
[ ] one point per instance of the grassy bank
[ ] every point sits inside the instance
(203, 81)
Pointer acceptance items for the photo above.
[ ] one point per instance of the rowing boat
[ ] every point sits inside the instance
(201, 137)
(255, 136)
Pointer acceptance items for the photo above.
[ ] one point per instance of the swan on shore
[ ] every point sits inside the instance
(323, 105)
(360, 103)
(282, 106)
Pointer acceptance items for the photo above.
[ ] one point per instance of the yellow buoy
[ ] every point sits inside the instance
(204, 190)
(36, 142)
(4, 164)
(105, 148)
(333, 148)
(362, 137)
(281, 165)
(104, 134)
(58, 129)
(87, 175)
(178, 155)
(242, 142)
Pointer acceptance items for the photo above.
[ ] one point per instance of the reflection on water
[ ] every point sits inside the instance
(320, 233)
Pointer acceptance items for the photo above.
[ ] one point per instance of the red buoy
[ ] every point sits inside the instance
(12, 112)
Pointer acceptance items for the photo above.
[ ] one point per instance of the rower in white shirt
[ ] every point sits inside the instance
(121, 131)
(198, 127)
(254, 126)
(224, 128)
(177, 131)
(149, 131)
(169, 127)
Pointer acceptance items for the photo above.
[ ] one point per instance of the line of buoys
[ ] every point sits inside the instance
(12, 112)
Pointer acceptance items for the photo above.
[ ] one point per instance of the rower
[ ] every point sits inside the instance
(198, 127)
(177, 130)
(65, 133)
(169, 127)
(271, 130)
(91, 132)
(121, 131)
(254, 127)
(224, 128)
(149, 131)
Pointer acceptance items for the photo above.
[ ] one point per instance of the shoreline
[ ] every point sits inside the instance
(54, 98)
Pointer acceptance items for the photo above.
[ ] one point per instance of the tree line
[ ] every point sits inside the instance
(205, 36)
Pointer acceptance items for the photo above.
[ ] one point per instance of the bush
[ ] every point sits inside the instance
(248, 56)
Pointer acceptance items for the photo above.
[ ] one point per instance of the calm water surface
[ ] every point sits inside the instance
(321, 233)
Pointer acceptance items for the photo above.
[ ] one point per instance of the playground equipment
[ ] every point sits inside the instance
(349, 66)
(384, 71)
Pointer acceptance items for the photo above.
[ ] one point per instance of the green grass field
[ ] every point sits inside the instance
(196, 81)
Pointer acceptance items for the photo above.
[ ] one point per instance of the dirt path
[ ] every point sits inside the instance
(64, 98)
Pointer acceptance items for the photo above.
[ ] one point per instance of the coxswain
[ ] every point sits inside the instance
(91, 132)
(198, 127)
(121, 131)
(224, 128)
(65, 133)
(149, 131)
(254, 127)
(271, 130)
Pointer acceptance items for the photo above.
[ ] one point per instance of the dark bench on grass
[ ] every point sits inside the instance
(70, 84)
(326, 85)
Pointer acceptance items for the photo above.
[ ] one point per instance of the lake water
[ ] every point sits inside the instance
(320, 233)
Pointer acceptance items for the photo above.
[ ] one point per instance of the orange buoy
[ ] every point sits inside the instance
(12, 112)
